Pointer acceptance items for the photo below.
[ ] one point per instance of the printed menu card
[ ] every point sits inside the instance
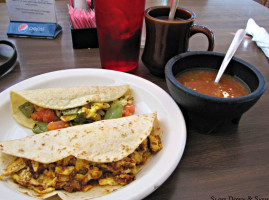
(33, 18)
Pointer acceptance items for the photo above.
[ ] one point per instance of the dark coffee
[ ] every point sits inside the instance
(166, 39)
(167, 19)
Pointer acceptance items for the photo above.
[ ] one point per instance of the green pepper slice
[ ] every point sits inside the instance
(40, 127)
(80, 119)
(27, 109)
(115, 111)
(71, 111)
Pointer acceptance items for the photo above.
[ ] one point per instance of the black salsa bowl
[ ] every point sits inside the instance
(205, 113)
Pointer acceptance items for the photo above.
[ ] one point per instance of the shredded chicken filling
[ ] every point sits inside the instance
(72, 174)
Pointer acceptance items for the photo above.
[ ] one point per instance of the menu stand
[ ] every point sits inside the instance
(32, 29)
(31, 18)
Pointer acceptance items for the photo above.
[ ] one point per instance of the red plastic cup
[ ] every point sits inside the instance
(119, 25)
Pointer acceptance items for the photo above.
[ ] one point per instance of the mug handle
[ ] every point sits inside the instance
(196, 28)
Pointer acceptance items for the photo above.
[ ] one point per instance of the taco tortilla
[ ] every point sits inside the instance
(81, 162)
(53, 108)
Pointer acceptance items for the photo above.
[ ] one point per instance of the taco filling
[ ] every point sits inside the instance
(46, 118)
(87, 160)
(72, 174)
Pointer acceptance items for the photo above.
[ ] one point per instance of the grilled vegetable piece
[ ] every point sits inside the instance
(115, 111)
(40, 127)
(57, 125)
(27, 109)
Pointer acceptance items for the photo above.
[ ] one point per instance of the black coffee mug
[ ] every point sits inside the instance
(167, 38)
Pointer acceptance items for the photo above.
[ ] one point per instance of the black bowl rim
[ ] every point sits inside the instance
(253, 95)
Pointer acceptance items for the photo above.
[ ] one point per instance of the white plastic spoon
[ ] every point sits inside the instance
(173, 9)
(239, 35)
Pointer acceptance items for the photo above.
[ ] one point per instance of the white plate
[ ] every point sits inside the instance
(148, 98)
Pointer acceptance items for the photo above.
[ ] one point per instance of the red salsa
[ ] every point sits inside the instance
(203, 81)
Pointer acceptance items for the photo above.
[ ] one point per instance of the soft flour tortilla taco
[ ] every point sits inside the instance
(81, 162)
(53, 108)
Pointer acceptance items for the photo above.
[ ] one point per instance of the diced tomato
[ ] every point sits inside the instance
(57, 125)
(128, 110)
(36, 117)
(48, 116)
(44, 115)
